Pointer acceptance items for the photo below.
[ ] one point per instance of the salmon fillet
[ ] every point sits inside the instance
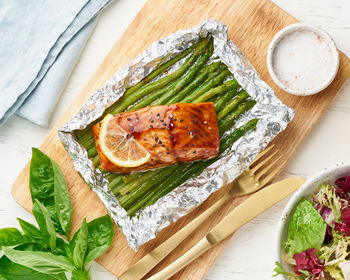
(172, 134)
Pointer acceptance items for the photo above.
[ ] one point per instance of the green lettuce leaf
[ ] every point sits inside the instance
(306, 230)
(335, 272)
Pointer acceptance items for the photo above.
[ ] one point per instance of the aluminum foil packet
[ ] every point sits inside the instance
(274, 117)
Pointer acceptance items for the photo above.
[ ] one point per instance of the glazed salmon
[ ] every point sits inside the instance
(172, 134)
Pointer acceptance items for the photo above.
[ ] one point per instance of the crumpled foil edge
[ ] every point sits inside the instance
(273, 114)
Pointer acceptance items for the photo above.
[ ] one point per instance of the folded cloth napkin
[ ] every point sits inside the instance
(40, 42)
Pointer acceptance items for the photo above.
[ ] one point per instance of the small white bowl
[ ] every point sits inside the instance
(329, 176)
(302, 59)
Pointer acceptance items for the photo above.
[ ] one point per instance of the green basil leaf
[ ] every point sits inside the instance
(80, 275)
(306, 229)
(80, 246)
(62, 199)
(62, 248)
(13, 271)
(99, 238)
(41, 183)
(95, 253)
(30, 230)
(32, 246)
(44, 262)
(41, 178)
(11, 237)
(45, 223)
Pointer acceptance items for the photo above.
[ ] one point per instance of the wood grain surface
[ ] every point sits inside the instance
(251, 25)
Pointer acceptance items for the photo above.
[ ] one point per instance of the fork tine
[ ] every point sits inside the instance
(272, 174)
(255, 168)
(261, 154)
(266, 168)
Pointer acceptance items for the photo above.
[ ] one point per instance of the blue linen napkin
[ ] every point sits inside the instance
(40, 41)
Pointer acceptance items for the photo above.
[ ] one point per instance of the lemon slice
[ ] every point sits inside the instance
(120, 147)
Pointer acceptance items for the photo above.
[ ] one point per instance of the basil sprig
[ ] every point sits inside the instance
(48, 251)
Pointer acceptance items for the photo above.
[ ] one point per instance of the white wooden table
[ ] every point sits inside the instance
(251, 253)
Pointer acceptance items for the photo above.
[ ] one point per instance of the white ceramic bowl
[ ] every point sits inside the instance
(328, 175)
(332, 67)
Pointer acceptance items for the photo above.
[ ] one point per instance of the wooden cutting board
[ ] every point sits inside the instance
(251, 25)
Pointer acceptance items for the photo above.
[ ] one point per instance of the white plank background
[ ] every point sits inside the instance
(251, 253)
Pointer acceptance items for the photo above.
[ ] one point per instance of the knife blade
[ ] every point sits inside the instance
(243, 213)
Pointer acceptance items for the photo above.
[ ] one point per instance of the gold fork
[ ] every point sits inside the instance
(255, 177)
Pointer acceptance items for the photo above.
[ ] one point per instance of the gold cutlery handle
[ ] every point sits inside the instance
(202, 246)
(144, 265)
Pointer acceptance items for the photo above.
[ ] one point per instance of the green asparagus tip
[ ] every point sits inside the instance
(251, 125)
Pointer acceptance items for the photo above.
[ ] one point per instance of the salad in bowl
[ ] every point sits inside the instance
(314, 235)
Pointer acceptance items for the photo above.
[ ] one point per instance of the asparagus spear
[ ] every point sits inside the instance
(134, 183)
(232, 84)
(96, 161)
(92, 152)
(115, 181)
(86, 137)
(112, 175)
(127, 201)
(188, 77)
(226, 123)
(126, 101)
(148, 196)
(158, 71)
(160, 96)
(152, 96)
(131, 177)
(232, 104)
(203, 75)
(205, 87)
(115, 190)
(222, 100)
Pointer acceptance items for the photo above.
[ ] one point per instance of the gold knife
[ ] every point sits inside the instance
(243, 213)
